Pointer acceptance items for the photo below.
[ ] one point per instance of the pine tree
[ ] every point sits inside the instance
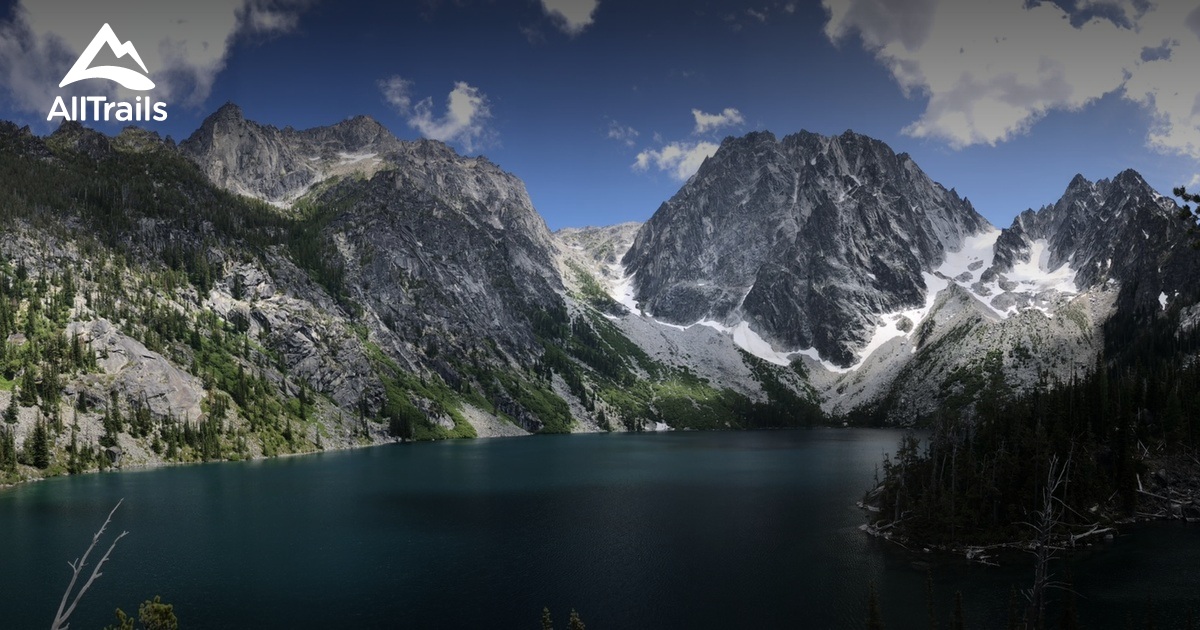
(1187, 214)
(8, 451)
(73, 465)
(28, 386)
(547, 623)
(10, 412)
(155, 615)
(39, 445)
(574, 622)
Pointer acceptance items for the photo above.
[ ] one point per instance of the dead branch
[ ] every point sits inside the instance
(64, 611)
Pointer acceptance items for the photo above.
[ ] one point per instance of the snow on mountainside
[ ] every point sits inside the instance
(841, 254)
(804, 241)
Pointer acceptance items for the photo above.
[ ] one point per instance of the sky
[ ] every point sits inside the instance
(605, 107)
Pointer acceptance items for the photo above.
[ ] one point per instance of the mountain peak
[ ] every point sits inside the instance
(1079, 181)
(73, 136)
(228, 111)
(774, 224)
(1130, 179)
(278, 165)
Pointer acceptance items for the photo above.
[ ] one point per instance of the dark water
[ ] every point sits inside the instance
(683, 530)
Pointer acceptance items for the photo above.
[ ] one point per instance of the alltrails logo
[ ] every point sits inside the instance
(100, 108)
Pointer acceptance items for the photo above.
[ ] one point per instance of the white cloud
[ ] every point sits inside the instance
(184, 45)
(680, 159)
(623, 133)
(709, 122)
(990, 70)
(397, 91)
(464, 121)
(571, 16)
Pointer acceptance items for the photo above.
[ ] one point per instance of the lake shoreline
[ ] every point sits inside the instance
(1170, 493)
(385, 441)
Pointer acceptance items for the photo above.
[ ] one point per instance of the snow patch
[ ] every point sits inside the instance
(977, 251)
(353, 158)
(1036, 274)
(890, 330)
(1162, 300)
(1032, 277)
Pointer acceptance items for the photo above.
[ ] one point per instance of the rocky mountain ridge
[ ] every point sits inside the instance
(279, 165)
(408, 291)
(804, 239)
(975, 305)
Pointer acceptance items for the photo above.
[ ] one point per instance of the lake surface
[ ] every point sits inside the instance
(678, 530)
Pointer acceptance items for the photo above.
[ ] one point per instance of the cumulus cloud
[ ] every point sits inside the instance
(184, 45)
(465, 121)
(711, 122)
(571, 16)
(989, 70)
(622, 133)
(680, 160)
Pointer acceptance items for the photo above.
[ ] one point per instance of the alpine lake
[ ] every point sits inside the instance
(713, 530)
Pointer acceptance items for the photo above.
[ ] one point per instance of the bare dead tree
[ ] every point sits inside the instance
(64, 611)
(1048, 519)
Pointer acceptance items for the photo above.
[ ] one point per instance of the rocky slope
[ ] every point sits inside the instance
(397, 289)
(151, 304)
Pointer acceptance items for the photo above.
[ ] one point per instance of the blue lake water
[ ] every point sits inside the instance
(679, 530)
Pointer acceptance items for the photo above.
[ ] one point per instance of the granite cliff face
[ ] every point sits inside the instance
(448, 251)
(806, 239)
(279, 165)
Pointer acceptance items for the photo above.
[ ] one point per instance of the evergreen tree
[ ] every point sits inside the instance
(73, 465)
(28, 386)
(574, 622)
(152, 615)
(10, 412)
(547, 623)
(155, 615)
(8, 451)
(39, 445)
(1187, 214)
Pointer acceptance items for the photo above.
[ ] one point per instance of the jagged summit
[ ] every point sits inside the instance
(1113, 230)
(279, 165)
(806, 240)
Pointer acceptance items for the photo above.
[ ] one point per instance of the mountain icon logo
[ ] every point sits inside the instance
(130, 79)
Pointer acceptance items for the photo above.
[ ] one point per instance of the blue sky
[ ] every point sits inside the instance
(567, 94)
